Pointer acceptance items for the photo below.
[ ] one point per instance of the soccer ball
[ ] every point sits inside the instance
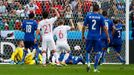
(77, 47)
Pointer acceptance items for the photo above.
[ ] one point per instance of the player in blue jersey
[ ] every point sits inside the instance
(105, 44)
(117, 40)
(73, 58)
(94, 21)
(29, 27)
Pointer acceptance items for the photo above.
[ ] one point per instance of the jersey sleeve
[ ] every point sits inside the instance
(52, 20)
(86, 20)
(102, 22)
(68, 27)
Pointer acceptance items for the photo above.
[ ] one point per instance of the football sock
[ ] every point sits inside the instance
(56, 57)
(97, 58)
(37, 53)
(65, 57)
(88, 59)
(24, 55)
(43, 58)
(121, 59)
(103, 56)
(53, 59)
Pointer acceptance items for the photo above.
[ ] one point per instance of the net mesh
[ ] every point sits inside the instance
(13, 12)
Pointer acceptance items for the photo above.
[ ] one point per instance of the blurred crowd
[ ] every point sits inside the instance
(12, 12)
(132, 14)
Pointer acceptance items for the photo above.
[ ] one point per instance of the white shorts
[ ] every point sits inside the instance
(60, 46)
(48, 43)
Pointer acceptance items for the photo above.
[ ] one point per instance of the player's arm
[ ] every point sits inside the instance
(106, 32)
(56, 11)
(38, 31)
(84, 28)
(83, 31)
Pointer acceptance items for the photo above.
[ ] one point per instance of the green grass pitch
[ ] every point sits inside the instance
(65, 70)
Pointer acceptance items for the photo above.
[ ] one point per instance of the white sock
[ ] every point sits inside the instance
(56, 57)
(65, 57)
(43, 58)
(53, 59)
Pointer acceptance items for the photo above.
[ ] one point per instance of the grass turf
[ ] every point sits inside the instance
(68, 70)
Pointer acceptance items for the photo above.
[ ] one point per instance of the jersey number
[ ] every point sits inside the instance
(28, 28)
(106, 23)
(119, 34)
(47, 28)
(94, 23)
(60, 34)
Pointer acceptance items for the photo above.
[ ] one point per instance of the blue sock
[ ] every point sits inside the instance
(37, 53)
(88, 58)
(103, 56)
(24, 55)
(121, 59)
(97, 58)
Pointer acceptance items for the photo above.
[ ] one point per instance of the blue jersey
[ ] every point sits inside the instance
(109, 24)
(72, 59)
(29, 27)
(117, 37)
(95, 22)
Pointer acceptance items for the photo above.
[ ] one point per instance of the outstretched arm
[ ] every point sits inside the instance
(56, 11)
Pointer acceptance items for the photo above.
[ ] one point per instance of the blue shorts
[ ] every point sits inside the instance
(96, 45)
(104, 43)
(29, 44)
(117, 45)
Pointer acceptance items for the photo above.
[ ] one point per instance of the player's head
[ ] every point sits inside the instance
(20, 43)
(104, 13)
(31, 15)
(61, 22)
(96, 7)
(115, 21)
(45, 14)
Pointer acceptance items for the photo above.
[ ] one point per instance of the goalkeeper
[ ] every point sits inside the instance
(17, 55)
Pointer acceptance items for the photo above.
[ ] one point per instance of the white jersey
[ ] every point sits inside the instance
(61, 33)
(46, 26)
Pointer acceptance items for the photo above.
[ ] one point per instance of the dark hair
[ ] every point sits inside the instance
(96, 7)
(31, 15)
(45, 14)
(18, 42)
(115, 21)
(61, 22)
(104, 13)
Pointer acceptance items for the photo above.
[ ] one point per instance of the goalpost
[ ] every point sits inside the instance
(127, 32)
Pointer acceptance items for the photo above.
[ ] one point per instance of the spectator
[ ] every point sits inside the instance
(68, 16)
(31, 7)
(2, 8)
(1, 22)
(20, 11)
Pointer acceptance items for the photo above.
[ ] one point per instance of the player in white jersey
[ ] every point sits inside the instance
(46, 26)
(61, 43)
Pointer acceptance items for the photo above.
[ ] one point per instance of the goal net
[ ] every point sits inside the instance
(13, 12)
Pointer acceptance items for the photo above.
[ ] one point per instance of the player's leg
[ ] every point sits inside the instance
(52, 47)
(25, 52)
(104, 50)
(37, 53)
(67, 50)
(44, 47)
(98, 50)
(89, 45)
(118, 50)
